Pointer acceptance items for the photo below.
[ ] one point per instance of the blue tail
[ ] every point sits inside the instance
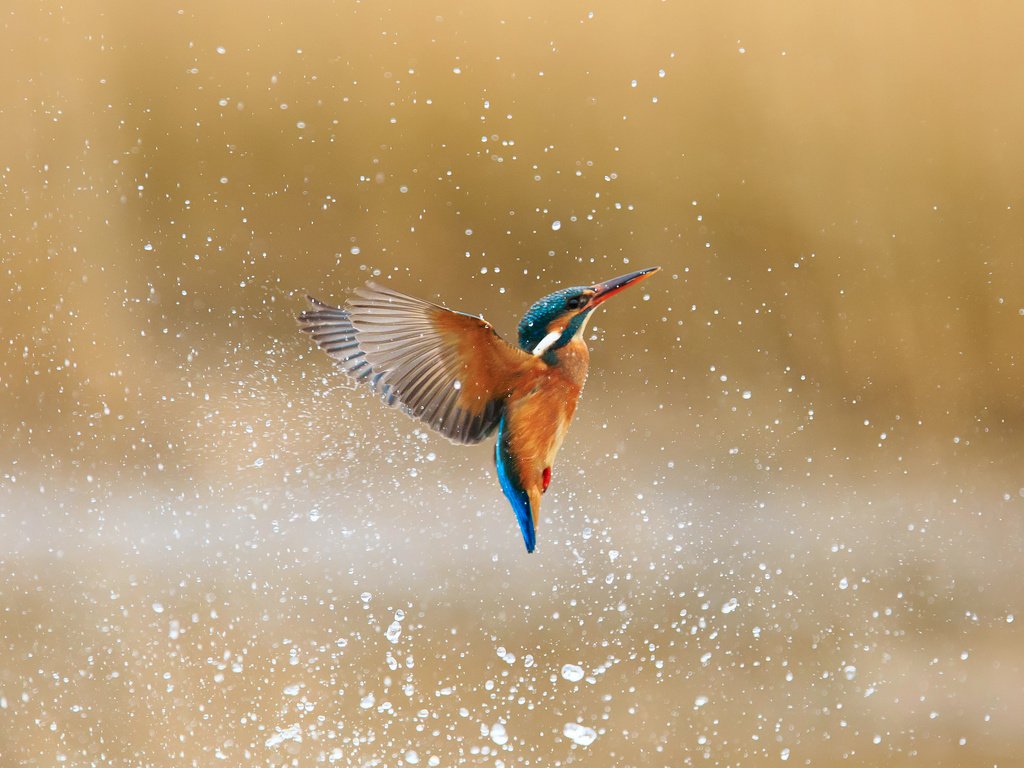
(508, 476)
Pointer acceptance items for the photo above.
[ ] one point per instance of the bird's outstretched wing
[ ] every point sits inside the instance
(448, 369)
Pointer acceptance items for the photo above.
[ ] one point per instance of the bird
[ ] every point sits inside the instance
(452, 371)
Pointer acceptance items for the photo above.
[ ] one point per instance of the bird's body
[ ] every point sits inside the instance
(537, 417)
(452, 371)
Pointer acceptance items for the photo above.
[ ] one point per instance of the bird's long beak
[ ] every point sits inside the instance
(607, 289)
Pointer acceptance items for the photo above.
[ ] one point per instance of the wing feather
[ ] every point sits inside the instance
(448, 369)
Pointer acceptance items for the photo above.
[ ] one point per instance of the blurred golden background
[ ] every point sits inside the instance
(786, 526)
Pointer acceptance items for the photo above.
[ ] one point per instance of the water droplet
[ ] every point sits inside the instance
(499, 735)
(394, 632)
(291, 733)
(572, 673)
(579, 734)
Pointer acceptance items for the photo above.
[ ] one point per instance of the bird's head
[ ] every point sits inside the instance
(560, 317)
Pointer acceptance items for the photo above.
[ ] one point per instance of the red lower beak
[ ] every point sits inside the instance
(604, 291)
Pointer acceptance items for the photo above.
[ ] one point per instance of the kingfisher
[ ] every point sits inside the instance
(452, 371)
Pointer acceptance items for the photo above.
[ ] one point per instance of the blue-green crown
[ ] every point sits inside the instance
(534, 325)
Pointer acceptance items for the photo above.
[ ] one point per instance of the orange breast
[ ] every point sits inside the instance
(539, 412)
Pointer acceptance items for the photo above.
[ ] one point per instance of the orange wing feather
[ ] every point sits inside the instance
(489, 366)
(448, 369)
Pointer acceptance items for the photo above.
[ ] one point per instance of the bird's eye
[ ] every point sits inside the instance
(574, 302)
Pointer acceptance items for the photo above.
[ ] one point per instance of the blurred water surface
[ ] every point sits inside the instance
(787, 523)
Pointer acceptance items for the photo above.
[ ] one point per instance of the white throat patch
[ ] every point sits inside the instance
(551, 338)
(546, 343)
